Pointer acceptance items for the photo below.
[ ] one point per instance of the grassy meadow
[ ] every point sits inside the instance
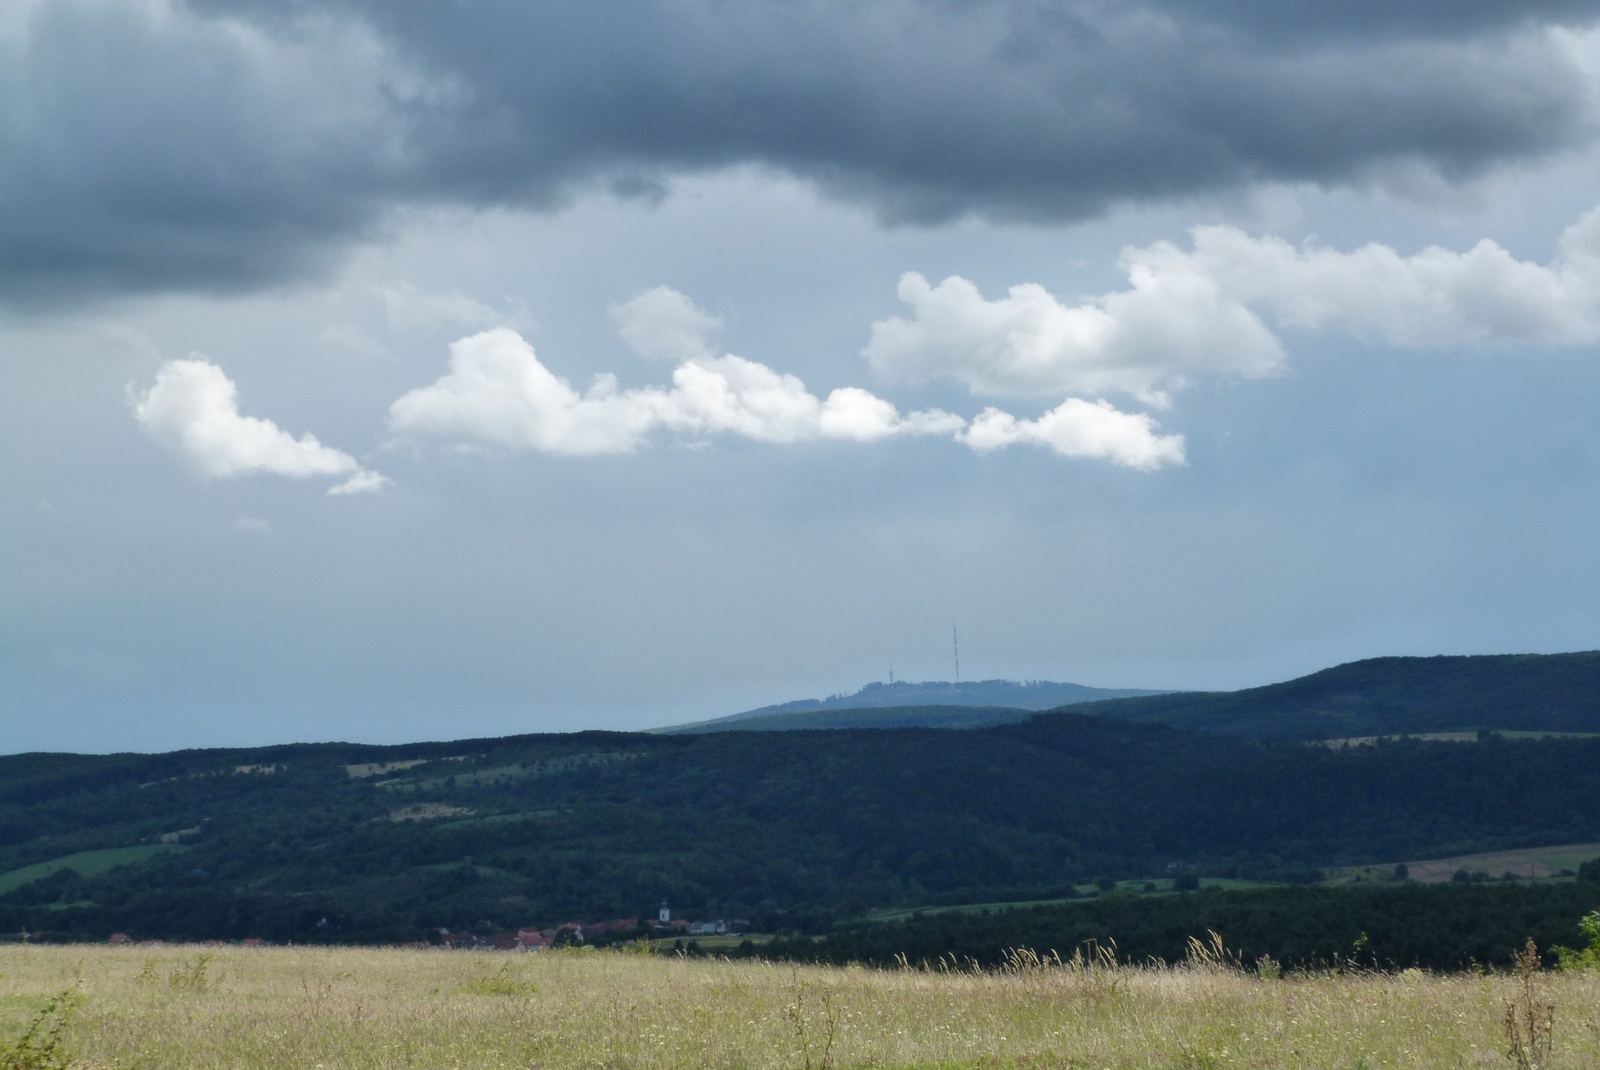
(185, 1008)
(87, 863)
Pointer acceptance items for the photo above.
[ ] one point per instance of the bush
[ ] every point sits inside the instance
(1587, 957)
(41, 1046)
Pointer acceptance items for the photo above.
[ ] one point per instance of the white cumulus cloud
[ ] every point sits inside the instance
(1143, 341)
(498, 391)
(1436, 297)
(1204, 311)
(1078, 428)
(193, 408)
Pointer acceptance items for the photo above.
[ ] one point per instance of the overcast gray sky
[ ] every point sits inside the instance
(393, 370)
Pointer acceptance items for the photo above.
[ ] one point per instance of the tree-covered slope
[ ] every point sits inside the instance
(1383, 696)
(391, 842)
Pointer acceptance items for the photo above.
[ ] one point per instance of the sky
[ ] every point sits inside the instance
(379, 371)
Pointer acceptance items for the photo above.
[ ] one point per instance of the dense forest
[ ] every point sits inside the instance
(1440, 927)
(793, 830)
(1384, 696)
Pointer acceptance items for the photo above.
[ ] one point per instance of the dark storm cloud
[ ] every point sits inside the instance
(1372, 18)
(236, 142)
(141, 151)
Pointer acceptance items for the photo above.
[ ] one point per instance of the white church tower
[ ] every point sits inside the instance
(666, 912)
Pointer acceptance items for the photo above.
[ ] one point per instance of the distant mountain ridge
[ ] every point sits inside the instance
(1374, 697)
(921, 705)
(868, 717)
(1391, 696)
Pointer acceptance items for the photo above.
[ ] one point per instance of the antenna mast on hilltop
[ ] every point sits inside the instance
(955, 644)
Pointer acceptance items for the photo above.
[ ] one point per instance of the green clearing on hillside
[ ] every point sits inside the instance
(1527, 863)
(87, 863)
(1446, 737)
(501, 774)
(1085, 892)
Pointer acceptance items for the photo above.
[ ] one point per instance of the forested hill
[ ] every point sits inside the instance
(1380, 696)
(1385, 696)
(390, 843)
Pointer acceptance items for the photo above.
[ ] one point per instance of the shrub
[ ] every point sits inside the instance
(42, 1046)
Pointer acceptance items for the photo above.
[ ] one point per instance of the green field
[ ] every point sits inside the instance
(1557, 862)
(87, 863)
(710, 944)
(188, 1008)
(1086, 891)
(1449, 737)
(1528, 862)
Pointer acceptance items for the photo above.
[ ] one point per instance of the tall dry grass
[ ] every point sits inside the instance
(315, 1009)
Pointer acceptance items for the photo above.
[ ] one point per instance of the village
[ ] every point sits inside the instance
(580, 934)
(569, 934)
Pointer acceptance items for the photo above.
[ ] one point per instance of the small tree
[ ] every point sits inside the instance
(1588, 956)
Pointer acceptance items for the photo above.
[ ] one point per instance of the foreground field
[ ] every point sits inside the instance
(187, 1008)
